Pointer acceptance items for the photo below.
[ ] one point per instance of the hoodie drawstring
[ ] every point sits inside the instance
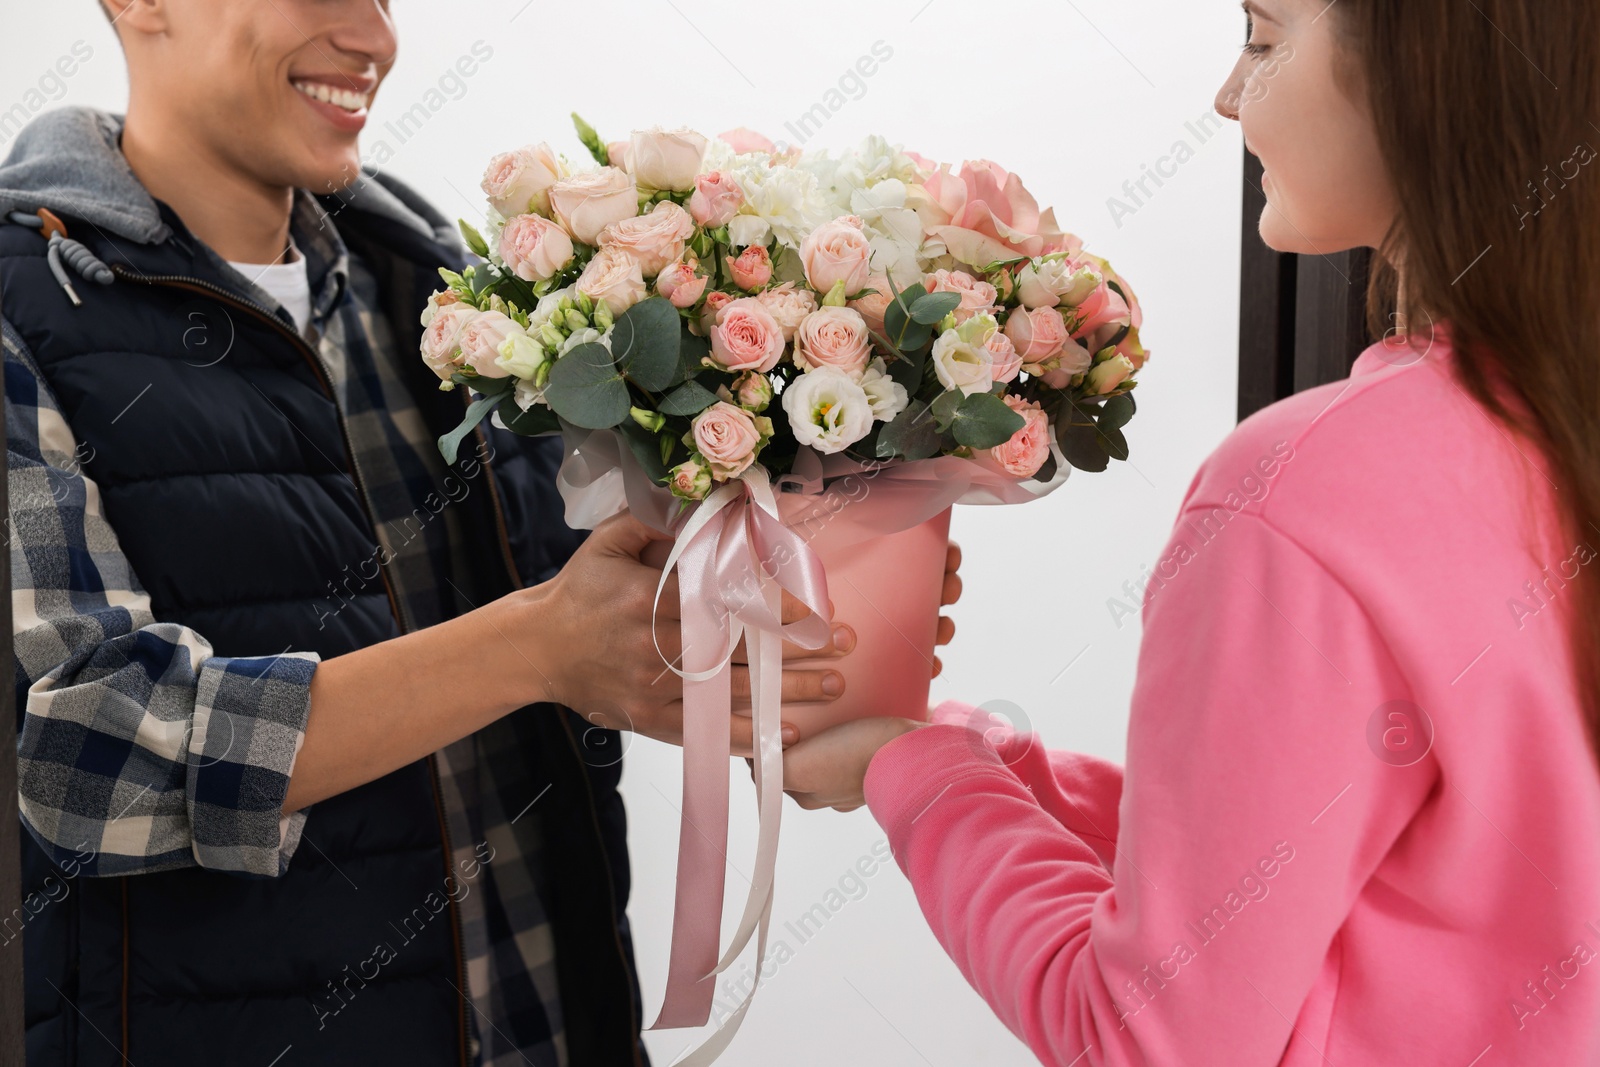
(64, 252)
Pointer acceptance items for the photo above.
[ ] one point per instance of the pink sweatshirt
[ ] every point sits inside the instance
(1360, 821)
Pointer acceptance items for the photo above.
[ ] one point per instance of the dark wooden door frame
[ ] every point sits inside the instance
(1302, 319)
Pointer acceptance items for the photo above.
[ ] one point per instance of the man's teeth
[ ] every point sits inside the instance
(345, 98)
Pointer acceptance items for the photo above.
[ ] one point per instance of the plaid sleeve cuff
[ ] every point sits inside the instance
(249, 723)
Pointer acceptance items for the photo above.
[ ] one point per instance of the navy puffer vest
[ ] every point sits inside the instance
(229, 487)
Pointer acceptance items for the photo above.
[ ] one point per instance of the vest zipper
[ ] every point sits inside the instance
(572, 742)
(179, 281)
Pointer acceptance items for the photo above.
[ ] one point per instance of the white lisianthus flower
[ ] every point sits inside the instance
(960, 358)
(548, 307)
(520, 355)
(526, 394)
(827, 411)
(887, 396)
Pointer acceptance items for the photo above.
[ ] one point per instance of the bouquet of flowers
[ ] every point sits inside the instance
(719, 304)
(729, 337)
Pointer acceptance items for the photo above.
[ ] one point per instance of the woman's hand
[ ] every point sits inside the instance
(827, 771)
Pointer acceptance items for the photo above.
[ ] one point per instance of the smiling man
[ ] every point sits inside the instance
(316, 734)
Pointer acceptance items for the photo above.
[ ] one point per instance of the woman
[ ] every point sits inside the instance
(1360, 819)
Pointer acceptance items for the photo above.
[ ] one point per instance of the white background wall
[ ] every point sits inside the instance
(1077, 97)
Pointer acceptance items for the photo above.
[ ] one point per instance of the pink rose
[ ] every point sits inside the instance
(875, 304)
(519, 181)
(835, 252)
(613, 277)
(1103, 307)
(534, 248)
(480, 340)
(788, 305)
(1023, 455)
(1037, 334)
(743, 140)
(833, 337)
(977, 298)
(984, 214)
(752, 269)
(441, 341)
(681, 285)
(1074, 359)
(617, 154)
(665, 159)
(715, 302)
(442, 299)
(727, 437)
(587, 203)
(1007, 363)
(655, 239)
(717, 198)
(746, 337)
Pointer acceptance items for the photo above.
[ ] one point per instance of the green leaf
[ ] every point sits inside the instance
(900, 329)
(534, 422)
(1082, 444)
(645, 449)
(487, 386)
(586, 390)
(912, 434)
(1115, 444)
(1048, 471)
(688, 399)
(944, 408)
(907, 370)
(984, 421)
(691, 350)
(474, 239)
(1116, 412)
(477, 411)
(932, 307)
(646, 341)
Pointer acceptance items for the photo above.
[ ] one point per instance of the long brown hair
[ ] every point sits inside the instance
(1487, 114)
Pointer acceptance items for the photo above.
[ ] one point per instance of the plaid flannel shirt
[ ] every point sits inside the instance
(116, 757)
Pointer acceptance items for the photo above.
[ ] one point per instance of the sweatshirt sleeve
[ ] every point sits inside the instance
(1252, 813)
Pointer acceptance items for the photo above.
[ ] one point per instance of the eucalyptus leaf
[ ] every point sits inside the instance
(646, 341)
(1115, 444)
(932, 307)
(1082, 446)
(944, 408)
(586, 389)
(688, 399)
(912, 435)
(1116, 412)
(907, 370)
(645, 449)
(983, 420)
(1048, 471)
(477, 411)
(534, 422)
(691, 350)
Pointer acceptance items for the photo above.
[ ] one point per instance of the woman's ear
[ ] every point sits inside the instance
(140, 16)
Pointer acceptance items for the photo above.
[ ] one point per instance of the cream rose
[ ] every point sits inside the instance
(716, 200)
(441, 341)
(837, 251)
(827, 410)
(519, 181)
(788, 305)
(728, 439)
(834, 337)
(665, 159)
(534, 248)
(614, 277)
(655, 240)
(587, 203)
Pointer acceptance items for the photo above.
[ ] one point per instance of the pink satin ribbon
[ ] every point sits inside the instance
(734, 558)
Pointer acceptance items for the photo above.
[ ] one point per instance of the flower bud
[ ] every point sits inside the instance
(690, 480)
(752, 391)
(836, 295)
(650, 420)
(1106, 376)
(577, 320)
(603, 319)
(550, 337)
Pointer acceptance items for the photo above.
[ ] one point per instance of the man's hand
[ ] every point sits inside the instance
(950, 594)
(592, 625)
